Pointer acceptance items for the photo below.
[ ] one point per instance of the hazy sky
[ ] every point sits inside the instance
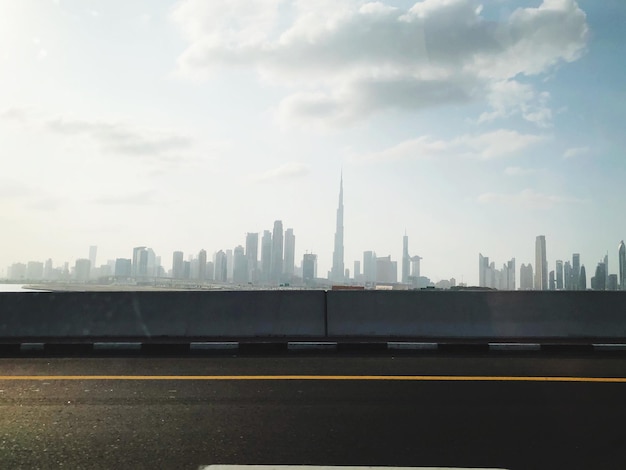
(474, 126)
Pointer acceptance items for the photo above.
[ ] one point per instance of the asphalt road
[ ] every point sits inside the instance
(431, 410)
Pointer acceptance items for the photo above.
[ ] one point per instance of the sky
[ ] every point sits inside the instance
(470, 126)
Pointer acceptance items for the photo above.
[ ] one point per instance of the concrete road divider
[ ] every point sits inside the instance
(222, 314)
(476, 314)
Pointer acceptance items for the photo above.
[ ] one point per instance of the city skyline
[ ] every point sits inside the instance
(471, 126)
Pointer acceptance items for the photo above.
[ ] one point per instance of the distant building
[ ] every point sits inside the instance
(240, 268)
(598, 281)
(582, 279)
(369, 267)
(123, 268)
(559, 274)
(541, 264)
(551, 281)
(290, 255)
(276, 269)
(357, 270)
(309, 269)
(575, 283)
(337, 272)
(252, 256)
(266, 256)
(93, 252)
(489, 276)
(210, 270)
(568, 276)
(202, 265)
(221, 268)
(177, 264)
(82, 269)
(621, 254)
(34, 271)
(386, 270)
(406, 260)
(612, 284)
(526, 277)
(140, 262)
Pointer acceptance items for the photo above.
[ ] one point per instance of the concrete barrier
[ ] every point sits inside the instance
(221, 314)
(476, 314)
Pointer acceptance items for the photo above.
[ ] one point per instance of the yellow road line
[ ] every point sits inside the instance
(404, 378)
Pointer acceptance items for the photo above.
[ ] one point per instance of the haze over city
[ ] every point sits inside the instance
(470, 126)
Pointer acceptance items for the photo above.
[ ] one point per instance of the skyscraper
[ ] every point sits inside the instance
(240, 268)
(621, 253)
(406, 260)
(276, 268)
(575, 284)
(541, 264)
(526, 277)
(290, 254)
(202, 265)
(582, 281)
(177, 265)
(266, 255)
(369, 267)
(337, 271)
(483, 268)
(140, 261)
(309, 268)
(93, 251)
(252, 255)
(559, 274)
(221, 268)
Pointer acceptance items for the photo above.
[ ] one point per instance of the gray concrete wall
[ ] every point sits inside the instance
(477, 314)
(170, 314)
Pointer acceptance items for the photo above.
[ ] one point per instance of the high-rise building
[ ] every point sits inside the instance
(240, 268)
(82, 269)
(123, 268)
(568, 276)
(582, 280)
(290, 254)
(606, 270)
(177, 265)
(369, 267)
(230, 265)
(406, 260)
(386, 270)
(598, 281)
(559, 274)
(526, 277)
(416, 269)
(140, 262)
(357, 270)
(551, 281)
(202, 265)
(93, 251)
(34, 271)
(276, 268)
(541, 264)
(337, 271)
(309, 268)
(221, 268)
(483, 270)
(575, 284)
(252, 256)
(621, 254)
(266, 255)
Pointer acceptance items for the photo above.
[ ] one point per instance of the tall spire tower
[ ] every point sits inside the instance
(337, 273)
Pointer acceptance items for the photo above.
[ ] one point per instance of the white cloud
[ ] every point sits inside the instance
(284, 172)
(121, 138)
(528, 198)
(487, 146)
(346, 59)
(576, 152)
